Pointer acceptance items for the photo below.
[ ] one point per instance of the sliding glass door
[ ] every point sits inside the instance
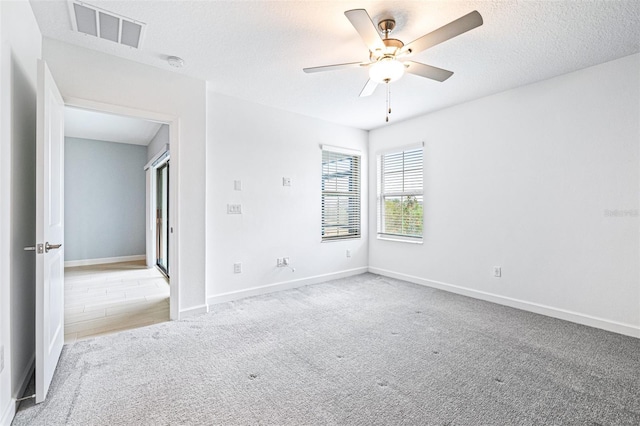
(162, 217)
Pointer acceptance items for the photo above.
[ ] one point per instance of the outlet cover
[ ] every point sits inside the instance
(237, 268)
(497, 271)
(279, 262)
(348, 253)
(234, 208)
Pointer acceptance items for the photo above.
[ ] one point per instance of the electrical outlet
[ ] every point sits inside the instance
(237, 268)
(286, 181)
(497, 271)
(234, 208)
(348, 253)
(285, 261)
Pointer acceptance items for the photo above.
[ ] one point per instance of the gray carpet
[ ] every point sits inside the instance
(366, 350)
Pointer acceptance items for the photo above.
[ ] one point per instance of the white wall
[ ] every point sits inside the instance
(526, 179)
(21, 47)
(87, 74)
(104, 199)
(259, 146)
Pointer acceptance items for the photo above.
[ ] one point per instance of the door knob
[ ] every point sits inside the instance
(48, 247)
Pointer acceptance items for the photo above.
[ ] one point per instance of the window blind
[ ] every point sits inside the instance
(400, 197)
(340, 195)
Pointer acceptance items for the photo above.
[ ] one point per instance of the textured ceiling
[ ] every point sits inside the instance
(255, 50)
(84, 124)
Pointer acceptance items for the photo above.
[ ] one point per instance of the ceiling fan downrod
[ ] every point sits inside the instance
(386, 26)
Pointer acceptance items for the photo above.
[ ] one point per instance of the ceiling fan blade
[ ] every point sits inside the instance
(427, 71)
(368, 88)
(363, 24)
(332, 67)
(444, 33)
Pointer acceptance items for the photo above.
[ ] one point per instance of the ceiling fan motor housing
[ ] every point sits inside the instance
(392, 47)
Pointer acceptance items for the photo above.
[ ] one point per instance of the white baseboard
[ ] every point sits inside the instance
(193, 311)
(8, 413)
(285, 285)
(576, 317)
(86, 262)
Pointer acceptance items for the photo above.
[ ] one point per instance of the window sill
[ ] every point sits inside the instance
(335, 240)
(400, 239)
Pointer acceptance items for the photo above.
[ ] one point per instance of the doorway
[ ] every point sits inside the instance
(110, 291)
(171, 123)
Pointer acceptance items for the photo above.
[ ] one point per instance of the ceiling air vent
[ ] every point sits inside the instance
(92, 20)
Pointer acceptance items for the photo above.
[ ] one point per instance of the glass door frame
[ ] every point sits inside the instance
(162, 217)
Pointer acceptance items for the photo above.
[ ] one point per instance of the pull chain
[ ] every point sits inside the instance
(388, 101)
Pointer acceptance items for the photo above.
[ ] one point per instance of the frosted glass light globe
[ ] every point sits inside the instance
(386, 70)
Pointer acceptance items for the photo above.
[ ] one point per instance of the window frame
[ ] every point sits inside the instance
(382, 195)
(354, 195)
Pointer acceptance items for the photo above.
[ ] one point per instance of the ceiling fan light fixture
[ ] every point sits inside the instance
(386, 70)
(384, 51)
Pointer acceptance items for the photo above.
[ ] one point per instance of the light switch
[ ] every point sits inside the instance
(286, 181)
(237, 185)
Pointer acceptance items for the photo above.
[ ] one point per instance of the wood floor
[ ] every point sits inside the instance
(103, 299)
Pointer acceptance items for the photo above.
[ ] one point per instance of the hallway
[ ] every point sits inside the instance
(103, 299)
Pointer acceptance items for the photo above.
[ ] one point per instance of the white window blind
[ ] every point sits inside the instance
(400, 197)
(340, 195)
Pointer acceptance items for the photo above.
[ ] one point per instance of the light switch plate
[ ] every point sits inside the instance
(237, 185)
(286, 181)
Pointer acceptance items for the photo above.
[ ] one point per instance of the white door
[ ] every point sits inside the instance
(49, 230)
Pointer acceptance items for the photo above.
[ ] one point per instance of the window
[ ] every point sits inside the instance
(340, 195)
(400, 201)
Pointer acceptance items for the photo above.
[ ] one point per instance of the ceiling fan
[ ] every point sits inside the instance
(387, 55)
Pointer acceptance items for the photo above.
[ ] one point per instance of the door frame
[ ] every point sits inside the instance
(174, 201)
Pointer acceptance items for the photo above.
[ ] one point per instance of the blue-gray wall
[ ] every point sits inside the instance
(104, 199)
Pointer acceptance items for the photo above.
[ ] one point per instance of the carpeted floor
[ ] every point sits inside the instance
(366, 350)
